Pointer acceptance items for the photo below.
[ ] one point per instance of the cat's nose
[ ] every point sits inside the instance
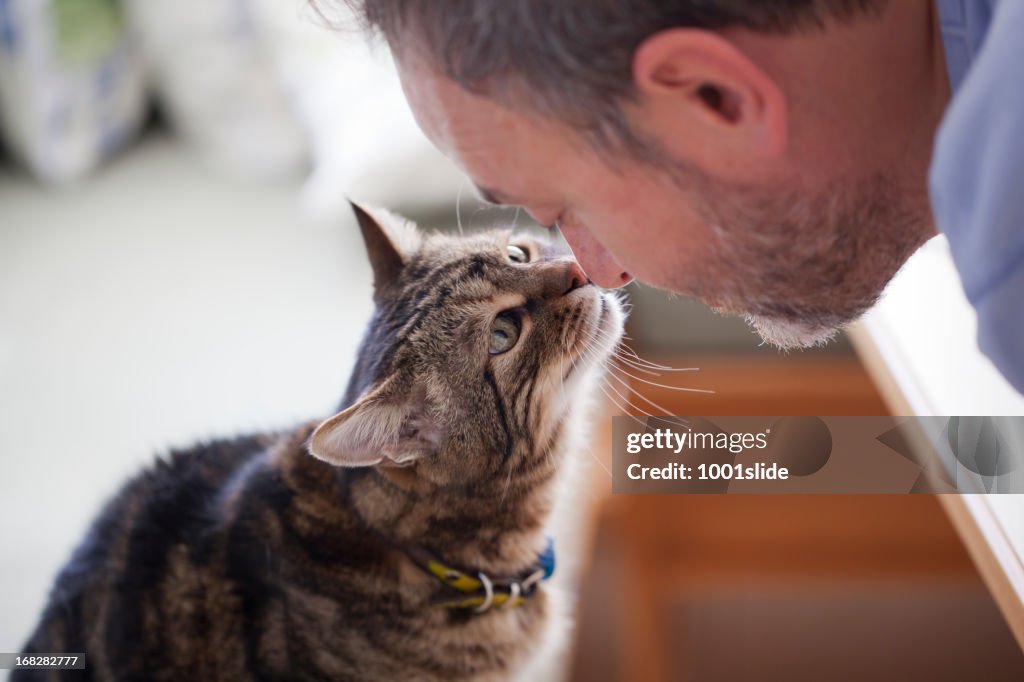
(562, 277)
(575, 277)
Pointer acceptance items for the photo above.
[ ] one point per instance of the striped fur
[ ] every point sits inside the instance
(250, 559)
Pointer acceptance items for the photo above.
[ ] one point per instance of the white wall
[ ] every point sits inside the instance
(152, 305)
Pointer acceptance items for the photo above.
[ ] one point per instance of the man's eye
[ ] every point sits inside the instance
(517, 254)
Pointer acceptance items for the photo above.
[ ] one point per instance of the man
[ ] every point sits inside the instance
(769, 157)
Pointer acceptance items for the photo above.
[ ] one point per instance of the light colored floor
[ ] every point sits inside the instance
(153, 305)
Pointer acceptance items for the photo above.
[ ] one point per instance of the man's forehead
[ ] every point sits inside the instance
(475, 132)
(424, 90)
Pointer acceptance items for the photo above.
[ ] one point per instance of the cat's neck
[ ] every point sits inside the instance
(494, 526)
(499, 530)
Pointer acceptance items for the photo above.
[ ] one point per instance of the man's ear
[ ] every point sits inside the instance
(387, 425)
(700, 83)
(390, 241)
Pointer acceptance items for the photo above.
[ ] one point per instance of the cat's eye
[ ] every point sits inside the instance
(504, 333)
(518, 254)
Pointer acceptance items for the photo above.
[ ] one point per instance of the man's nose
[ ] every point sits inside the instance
(597, 262)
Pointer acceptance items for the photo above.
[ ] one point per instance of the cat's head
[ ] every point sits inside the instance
(479, 349)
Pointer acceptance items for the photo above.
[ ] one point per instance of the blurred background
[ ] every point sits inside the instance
(177, 262)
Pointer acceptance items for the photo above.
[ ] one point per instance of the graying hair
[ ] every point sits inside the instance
(571, 59)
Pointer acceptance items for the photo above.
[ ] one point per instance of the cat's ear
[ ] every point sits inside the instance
(387, 425)
(390, 241)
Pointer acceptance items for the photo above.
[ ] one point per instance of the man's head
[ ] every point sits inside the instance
(766, 157)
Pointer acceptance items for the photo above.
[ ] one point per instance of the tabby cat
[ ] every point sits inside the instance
(402, 538)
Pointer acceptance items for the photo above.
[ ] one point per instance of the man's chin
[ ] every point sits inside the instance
(787, 334)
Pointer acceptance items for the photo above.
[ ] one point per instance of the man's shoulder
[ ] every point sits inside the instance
(963, 25)
(976, 190)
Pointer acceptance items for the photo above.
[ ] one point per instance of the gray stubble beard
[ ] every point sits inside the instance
(801, 268)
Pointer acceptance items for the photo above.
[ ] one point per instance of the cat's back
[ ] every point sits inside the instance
(139, 555)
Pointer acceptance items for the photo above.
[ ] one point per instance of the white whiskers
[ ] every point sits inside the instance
(458, 206)
(623, 357)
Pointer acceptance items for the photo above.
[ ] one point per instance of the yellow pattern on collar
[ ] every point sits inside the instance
(456, 579)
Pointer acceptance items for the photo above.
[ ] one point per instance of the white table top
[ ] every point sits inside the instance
(919, 342)
(925, 329)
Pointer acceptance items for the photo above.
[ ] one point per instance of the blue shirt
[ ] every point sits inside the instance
(976, 179)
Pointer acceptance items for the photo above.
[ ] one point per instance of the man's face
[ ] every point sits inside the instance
(797, 263)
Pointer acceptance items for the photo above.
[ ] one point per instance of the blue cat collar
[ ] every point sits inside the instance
(546, 560)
